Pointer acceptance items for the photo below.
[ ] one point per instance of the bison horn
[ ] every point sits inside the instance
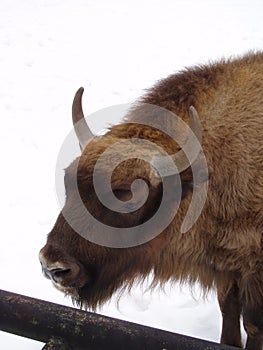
(188, 154)
(195, 124)
(82, 129)
(191, 149)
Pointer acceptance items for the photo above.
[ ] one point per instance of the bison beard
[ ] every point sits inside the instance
(223, 250)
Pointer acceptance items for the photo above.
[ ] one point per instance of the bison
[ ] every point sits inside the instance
(223, 249)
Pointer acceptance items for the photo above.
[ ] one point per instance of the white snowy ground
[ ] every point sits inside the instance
(48, 48)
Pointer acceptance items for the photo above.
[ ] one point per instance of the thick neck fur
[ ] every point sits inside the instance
(227, 239)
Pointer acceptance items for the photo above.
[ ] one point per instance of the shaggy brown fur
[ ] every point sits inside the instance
(224, 249)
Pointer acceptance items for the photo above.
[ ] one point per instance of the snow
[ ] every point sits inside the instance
(115, 49)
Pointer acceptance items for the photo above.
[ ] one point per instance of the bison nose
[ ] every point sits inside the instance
(55, 273)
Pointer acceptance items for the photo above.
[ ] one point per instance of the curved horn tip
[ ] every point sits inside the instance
(192, 110)
(77, 112)
(80, 91)
(195, 123)
(81, 127)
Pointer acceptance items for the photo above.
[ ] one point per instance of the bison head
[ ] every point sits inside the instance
(90, 256)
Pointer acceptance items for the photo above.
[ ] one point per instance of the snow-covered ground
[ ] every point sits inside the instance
(115, 49)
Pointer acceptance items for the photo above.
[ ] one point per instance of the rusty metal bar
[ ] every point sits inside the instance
(41, 320)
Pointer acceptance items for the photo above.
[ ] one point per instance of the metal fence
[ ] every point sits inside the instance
(65, 328)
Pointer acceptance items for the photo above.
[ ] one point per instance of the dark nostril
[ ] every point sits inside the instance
(59, 272)
(55, 273)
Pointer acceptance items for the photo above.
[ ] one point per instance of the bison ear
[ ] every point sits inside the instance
(130, 197)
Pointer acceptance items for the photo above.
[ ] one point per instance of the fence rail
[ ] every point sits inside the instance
(66, 328)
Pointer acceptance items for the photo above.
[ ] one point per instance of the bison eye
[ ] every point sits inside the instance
(123, 195)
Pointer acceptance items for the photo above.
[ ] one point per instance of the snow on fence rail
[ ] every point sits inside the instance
(65, 328)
